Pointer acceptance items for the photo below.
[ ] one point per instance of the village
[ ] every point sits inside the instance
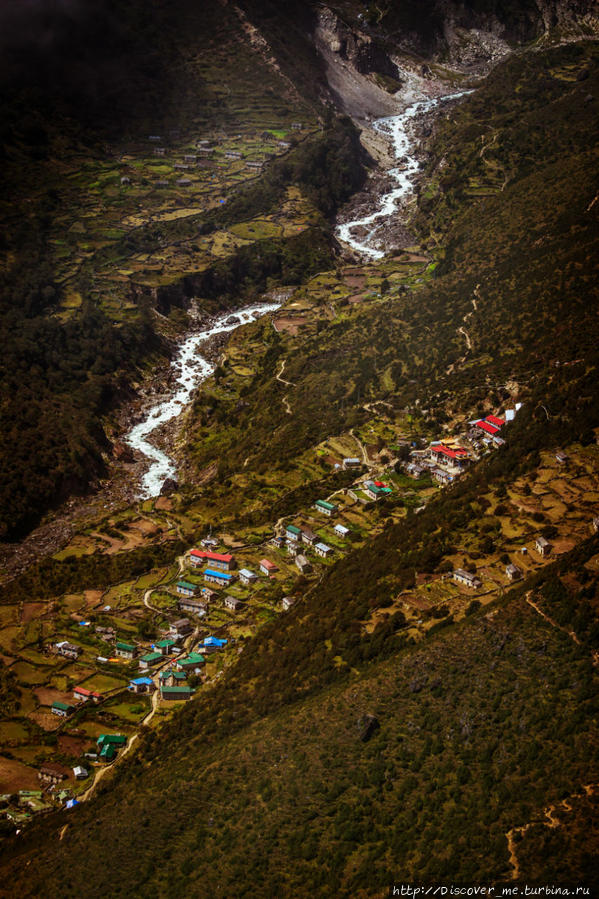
(94, 668)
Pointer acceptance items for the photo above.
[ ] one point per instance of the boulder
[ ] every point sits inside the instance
(169, 486)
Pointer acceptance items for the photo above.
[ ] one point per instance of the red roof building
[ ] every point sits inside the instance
(198, 557)
(442, 450)
(85, 694)
(485, 426)
(494, 420)
(267, 567)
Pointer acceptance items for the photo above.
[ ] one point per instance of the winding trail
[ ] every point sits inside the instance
(282, 380)
(548, 819)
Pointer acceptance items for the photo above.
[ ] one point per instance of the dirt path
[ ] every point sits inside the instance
(282, 380)
(549, 819)
(362, 449)
(462, 330)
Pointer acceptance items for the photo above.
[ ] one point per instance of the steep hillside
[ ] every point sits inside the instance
(483, 706)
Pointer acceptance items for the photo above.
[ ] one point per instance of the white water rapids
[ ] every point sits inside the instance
(396, 128)
(193, 370)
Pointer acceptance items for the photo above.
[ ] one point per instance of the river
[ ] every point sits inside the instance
(193, 369)
(397, 129)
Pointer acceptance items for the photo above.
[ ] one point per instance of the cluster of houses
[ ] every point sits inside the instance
(446, 461)
(513, 573)
(204, 150)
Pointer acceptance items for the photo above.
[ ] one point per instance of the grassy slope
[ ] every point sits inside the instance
(467, 749)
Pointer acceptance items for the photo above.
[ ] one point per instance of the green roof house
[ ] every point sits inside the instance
(107, 753)
(164, 646)
(175, 693)
(191, 662)
(149, 660)
(113, 739)
(62, 709)
(125, 650)
(323, 506)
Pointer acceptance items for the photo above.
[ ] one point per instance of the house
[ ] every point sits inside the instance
(84, 695)
(283, 144)
(141, 685)
(178, 692)
(325, 507)
(212, 644)
(287, 602)
(52, 773)
(414, 471)
(192, 663)
(232, 603)
(183, 182)
(62, 709)
(159, 151)
(268, 568)
(309, 537)
(376, 489)
(279, 542)
(185, 588)
(341, 531)
(222, 561)
(80, 773)
(352, 462)
(542, 546)
(207, 594)
(164, 646)
(442, 477)
(255, 166)
(205, 151)
(247, 577)
(125, 650)
(154, 137)
(116, 740)
(171, 678)
(513, 572)
(222, 578)
(190, 158)
(466, 578)
(68, 650)
(180, 628)
(595, 525)
(494, 420)
(293, 533)
(195, 606)
(292, 547)
(303, 564)
(149, 660)
(233, 154)
(486, 427)
(161, 184)
(209, 542)
(445, 457)
(125, 180)
(296, 126)
(181, 167)
(561, 458)
(107, 754)
(321, 549)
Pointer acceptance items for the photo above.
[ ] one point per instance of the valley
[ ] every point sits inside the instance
(326, 611)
